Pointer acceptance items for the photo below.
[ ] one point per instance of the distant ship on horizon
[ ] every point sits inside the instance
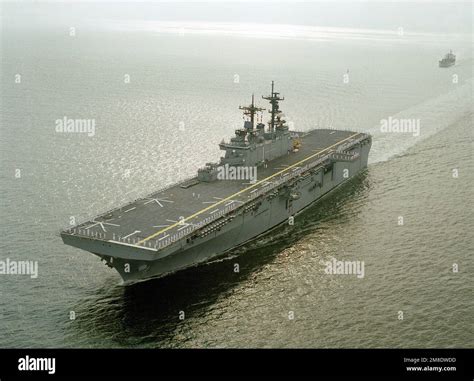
(448, 60)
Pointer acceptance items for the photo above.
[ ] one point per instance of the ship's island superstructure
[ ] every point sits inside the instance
(196, 220)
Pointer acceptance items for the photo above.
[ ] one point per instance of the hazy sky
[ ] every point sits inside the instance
(442, 17)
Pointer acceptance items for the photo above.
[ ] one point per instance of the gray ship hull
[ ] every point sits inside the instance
(246, 229)
(252, 219)
(446, 64)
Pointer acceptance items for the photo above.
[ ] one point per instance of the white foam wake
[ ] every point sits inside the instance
(435, 115)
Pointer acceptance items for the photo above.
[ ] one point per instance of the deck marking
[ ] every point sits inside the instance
(232, 196)
(232, 201)
(184, 226)
(212, 202)
(158, 201)
(101, 223)
(216, 210)
(128, 210)
(135, 232)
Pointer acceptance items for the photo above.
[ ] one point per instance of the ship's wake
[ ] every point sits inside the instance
(432, 116)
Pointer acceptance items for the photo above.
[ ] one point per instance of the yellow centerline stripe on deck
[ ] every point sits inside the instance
(243, 190)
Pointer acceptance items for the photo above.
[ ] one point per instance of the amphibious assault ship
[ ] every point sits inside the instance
(448, 60)
(198, 219)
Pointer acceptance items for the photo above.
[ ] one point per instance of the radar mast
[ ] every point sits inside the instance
(274, 98)
(251, 110)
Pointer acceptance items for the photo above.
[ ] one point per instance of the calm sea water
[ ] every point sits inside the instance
(197, 80)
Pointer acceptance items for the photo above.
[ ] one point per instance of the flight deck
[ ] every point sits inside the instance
(150, 222)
